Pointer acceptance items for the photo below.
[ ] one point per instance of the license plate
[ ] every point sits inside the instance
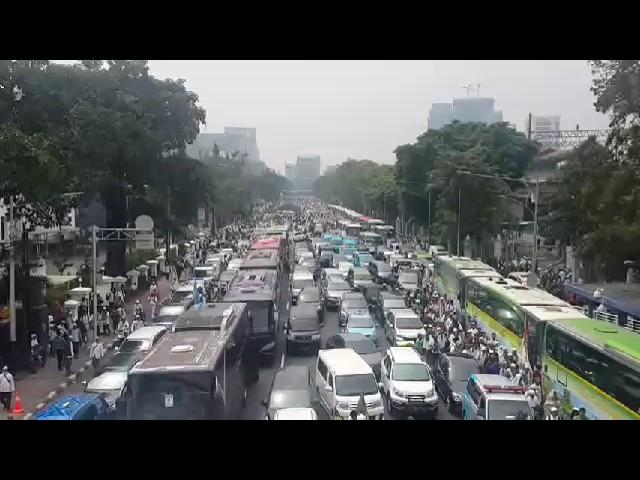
(168, 400)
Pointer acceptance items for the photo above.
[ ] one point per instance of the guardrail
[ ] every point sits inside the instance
(632, 323)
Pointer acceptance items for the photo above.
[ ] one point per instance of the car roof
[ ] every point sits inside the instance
(291, 377)
(353, 296)
(145, 333)
(66, 407)
(405, 355)
(302, 275)
(354, 337)
(298, 413)
(344, 361)
(403, 313)
(109, 380)
(172, 309)
(304, 310)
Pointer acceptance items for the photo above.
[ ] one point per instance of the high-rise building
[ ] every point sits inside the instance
(234, 140)
(290, 171)
(469, 109)
(329, 169)
(307, 171)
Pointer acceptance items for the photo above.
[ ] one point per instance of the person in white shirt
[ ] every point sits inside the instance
(96, 354)
(137, 323)
(7, 387)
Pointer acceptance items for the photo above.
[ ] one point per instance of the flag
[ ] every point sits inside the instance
(361, 409)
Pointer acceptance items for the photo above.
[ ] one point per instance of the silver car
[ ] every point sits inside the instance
(111, 384)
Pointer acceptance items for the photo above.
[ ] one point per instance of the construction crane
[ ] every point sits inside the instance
(472, 86)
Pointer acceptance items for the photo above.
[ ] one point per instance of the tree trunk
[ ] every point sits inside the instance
(114, 200)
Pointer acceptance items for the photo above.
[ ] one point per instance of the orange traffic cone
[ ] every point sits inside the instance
(18, 409)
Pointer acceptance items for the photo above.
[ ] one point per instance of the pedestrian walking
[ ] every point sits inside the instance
(7, 387)
(75, 339)
(96, 354)
(84, 329)
(58, 348)
(68, 354)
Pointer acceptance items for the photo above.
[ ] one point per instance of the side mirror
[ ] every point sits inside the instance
(85, 383)
(380, 387)
(481, 413)
(264, 403)
(328, 388)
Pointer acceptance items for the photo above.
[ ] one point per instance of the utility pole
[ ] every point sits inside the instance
(429, 222)
(94, 262)
(529, 127)
(535, 226)
(12, 278)
(168, 240)
(459, 207)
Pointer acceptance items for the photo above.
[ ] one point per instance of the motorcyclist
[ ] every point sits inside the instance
(123, 327)
(138, 310)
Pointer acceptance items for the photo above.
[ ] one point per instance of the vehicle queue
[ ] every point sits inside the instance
(415, 328)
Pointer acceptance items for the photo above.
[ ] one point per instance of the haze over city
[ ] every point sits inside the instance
(365, 109)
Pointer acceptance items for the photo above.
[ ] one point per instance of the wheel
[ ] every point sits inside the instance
(390, 408)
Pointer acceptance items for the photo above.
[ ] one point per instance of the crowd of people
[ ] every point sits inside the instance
(448, 330)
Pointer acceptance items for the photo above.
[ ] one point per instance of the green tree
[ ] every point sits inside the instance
(434, 162)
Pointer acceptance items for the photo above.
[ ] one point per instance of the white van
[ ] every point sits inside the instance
(341, 377)
(435, 250)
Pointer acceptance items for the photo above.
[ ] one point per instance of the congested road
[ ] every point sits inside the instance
(260, 391)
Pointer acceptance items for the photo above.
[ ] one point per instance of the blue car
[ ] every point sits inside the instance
(85, 406)
(360, 321)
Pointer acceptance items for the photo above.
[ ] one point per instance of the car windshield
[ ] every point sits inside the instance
(202, 273)
(365, 258)
(509, 410)
(462, 370)
(302, 283)
(410, 372)
(354, 303)
(361, 347)
(360, 322)
(179, 296)
(304, 324)
(339, 286)
(384, 267)
(130, 346)
(355, 385)
(394, 303)
(361, 276)
(408, 323)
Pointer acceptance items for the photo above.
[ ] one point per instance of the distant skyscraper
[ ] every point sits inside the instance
(470, 109)
(307, 171)
(290, 171)
(234, 140)
(329, 169)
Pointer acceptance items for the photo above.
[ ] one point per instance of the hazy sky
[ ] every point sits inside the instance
(364, 109)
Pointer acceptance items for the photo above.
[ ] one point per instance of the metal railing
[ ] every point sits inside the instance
(632, 323)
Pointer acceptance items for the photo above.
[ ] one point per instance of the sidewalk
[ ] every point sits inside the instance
(47, 383)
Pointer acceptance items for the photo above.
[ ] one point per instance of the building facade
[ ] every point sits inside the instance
(233, 141)
(307, 171)
(470, 109)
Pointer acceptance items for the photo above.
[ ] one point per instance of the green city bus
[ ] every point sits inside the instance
(574, 352)
(450, 273)
(594, 365)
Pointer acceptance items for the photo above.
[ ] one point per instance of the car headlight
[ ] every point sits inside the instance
(456, 397)
(398, 393)
(343, 405)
